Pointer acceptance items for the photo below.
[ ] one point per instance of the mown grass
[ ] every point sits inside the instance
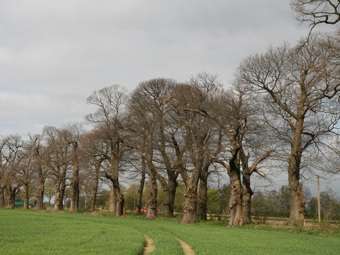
(27, 232)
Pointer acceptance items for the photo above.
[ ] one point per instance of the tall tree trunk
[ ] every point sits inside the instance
(297, 200)
(246, 198)
(94, 196)
(112, 200)
(117, 197)
(75, 190)
(169, 197)
(95, 189)
(39, 194)
(25, 196)
(62, 192)
(120, 206)
(57, 197)
(119, 201)
(140, 189)
(203, 195)
(190, 203)
(59, 190)
(11, 192)
(75, 180)
(2, 197)
(246, 189)
(152, 199)
(235, 203)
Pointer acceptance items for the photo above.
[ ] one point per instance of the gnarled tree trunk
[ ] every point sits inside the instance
(39, 194)
(297, 200)
(246, 198)
(235, 203)
(57, 196)
(25, 196)
(112, 200)
(203, 196)
(152, 199)
(2, 197)
(94, 196)
(169, 198)
(140, 190)
(95, 188)
(75, 190)
(11, 193)
(190, 203)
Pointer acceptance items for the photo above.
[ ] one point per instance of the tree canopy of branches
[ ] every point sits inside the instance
(297, 87)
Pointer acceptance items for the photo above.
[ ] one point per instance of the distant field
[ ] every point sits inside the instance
(28, 232)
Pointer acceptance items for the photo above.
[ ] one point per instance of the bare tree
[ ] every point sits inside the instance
(316, 12)
(25, 171)
(298, 85)
(192, 139)
(151, 95)
(93, 151)
(13, 157)
(3, 169)
(142, 125)
(59, 162)
(75, 132)
(40, 154)
(109, 118)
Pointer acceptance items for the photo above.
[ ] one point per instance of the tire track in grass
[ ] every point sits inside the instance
(186, 247)
(149, 245)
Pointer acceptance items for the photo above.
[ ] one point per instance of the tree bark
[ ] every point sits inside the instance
(140, 189)
(235, 203)
(246, 198)
(11, 193)
(120, 203)
(203, 195)
(112, 201)
(95, 189)
(57, 197)
(246, 189)
(169, 198)
(120, 206)
(190, 203)
(75, 191)
(94, 196)
(297, 200)
(117, 197)
(2, 197)
(75, 180)
(26, 196)
(152, 199)
(62, 192)
(39, 194)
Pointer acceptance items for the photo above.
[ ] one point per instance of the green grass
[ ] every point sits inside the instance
(28, 232)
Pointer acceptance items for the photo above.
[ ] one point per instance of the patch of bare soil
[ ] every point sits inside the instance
(149, 245)
(186, 247)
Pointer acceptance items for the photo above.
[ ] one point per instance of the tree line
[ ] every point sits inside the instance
(280, 113)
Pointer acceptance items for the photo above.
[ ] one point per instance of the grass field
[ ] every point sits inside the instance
(28, 232)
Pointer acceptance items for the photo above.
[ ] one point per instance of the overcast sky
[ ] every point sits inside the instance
(54, 54)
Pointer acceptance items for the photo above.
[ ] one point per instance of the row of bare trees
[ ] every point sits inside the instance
(281, 109)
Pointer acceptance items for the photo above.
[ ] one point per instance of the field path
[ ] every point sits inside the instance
(149, 245)
(186, 247)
